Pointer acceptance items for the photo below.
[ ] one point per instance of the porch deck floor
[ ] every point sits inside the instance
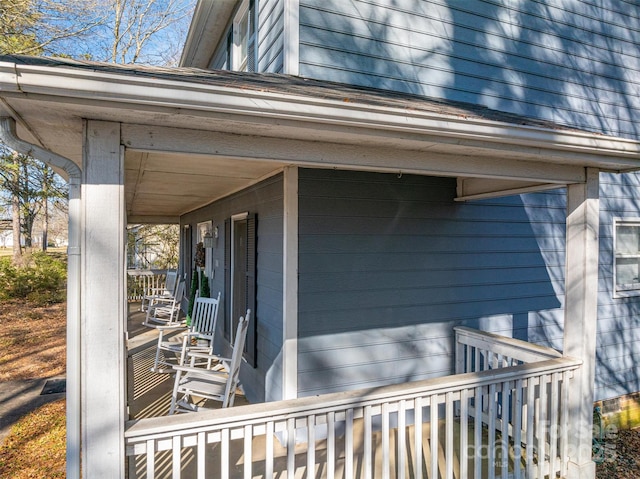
(150, 396)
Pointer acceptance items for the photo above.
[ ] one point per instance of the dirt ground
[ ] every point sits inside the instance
(33, 346)
(32, 341)
(622, 459)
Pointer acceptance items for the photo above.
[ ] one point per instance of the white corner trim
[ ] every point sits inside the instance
(291, 40)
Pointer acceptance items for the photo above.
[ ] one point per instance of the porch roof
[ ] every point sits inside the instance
(188, 132)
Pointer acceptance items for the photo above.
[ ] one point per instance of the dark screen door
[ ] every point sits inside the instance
(239, 273)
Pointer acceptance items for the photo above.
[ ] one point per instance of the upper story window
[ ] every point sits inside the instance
(242, 38)
(626, 271)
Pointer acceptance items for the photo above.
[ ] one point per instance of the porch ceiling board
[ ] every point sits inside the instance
(175, 183)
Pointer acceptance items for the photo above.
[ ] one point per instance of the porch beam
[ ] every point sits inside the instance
(581, 303)
(103, 303)
(480, 188)
(331, 155)
(153, 220)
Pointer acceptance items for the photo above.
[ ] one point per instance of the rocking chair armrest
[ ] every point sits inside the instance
(206, 373)
(162, 300)
(194, 334)
(157, 289)
(165, 327)
(199, 355)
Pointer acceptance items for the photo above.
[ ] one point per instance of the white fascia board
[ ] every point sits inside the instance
(482, 188)
(207, 27)
(93, 87)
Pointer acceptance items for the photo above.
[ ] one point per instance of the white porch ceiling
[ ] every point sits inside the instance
(168, 184)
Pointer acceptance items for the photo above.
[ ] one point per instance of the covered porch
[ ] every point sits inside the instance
(151, 145)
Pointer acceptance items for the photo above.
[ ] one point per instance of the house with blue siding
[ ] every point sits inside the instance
(370, 255)
(430, 208)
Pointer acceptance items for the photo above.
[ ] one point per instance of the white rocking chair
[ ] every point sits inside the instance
(198, 338)
(168, 292)
(166, 312)
(207, 383)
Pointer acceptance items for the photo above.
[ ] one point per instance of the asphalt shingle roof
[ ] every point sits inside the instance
(295, 86)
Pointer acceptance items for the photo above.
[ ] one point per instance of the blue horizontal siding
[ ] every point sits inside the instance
(618, 318)
(387, 267)
(374, 357)
(574, 63)
(270, 35)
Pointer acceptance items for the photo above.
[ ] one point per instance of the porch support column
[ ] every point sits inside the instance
(581, 304)
(290, 286)
(103, 306)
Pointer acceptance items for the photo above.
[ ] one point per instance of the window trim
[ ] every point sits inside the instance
(248, 10)
(617, 291)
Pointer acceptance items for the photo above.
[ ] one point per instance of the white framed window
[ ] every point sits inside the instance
(242, 40)
(626, 257)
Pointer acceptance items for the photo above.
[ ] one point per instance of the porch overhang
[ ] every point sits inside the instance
(191, 136)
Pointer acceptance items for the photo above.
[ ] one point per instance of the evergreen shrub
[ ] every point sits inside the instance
(42, 279)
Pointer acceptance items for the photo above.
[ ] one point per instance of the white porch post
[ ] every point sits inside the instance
(290, 286)
(103, 306)
(581, 304)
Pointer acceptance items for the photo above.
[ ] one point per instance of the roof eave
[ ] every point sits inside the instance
(207, 27)
(95, 88)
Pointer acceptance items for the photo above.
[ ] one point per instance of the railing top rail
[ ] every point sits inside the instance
(514, 348)
(146, 272)
(237, 416)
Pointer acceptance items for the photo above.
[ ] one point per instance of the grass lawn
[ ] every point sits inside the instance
(32, 340)
(36, 447)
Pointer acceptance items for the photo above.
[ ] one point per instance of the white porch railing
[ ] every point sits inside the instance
(425, 429)
(141, 282)
(480, 350)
